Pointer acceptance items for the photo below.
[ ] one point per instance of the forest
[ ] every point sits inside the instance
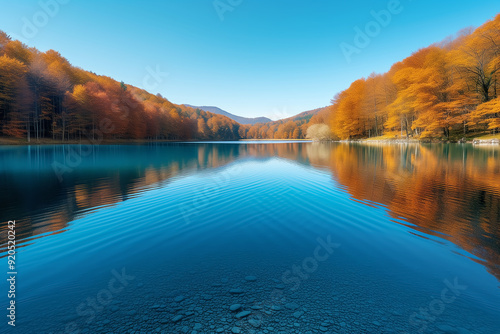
(289, 128)
(43, 96)
(446, 91)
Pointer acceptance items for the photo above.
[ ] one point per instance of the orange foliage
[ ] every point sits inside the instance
(43, 96)
(438, 92)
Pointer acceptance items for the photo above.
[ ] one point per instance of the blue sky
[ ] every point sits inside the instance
(251, 58)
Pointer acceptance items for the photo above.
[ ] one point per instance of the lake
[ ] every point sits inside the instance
(254, 237)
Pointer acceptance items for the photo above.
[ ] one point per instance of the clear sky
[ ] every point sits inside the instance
(249, 57)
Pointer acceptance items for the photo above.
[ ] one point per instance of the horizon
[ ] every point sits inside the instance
(203, 70)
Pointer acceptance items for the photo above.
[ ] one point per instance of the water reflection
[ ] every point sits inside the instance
(450, 191)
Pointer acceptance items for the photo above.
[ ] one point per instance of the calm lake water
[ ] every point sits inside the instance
(305, 237)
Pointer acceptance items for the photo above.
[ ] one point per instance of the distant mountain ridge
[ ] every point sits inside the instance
(239, 119)
(307, 115)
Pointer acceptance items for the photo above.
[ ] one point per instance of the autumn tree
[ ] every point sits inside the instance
(12, 101)
(319, 132)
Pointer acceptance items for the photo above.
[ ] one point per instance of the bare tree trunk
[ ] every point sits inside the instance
(63, 127)
(28, 129)
(406, 128)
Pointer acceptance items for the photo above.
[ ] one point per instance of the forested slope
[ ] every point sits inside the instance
(43, 96)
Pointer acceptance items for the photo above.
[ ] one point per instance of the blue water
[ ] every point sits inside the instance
(307, 237)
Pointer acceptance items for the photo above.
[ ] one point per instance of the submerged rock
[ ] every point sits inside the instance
(292, 306)
(235, 307)
(177, 318)
(254, 322)
(298, 314)
(236, 291)
(178, 299)
(242, 314)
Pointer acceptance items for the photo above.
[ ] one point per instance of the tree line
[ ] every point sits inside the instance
(43, 96)
(448, 91)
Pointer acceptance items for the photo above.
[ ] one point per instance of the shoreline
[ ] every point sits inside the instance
(416, 141)
(474, 141)
(24, 142)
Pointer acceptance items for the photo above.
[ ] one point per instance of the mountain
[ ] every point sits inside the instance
(307, 115)
(239, 119)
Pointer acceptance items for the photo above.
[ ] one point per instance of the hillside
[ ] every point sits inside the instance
(42, 97)
(306, 115)
(239, 119)
(447, 91)
(294, 127)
